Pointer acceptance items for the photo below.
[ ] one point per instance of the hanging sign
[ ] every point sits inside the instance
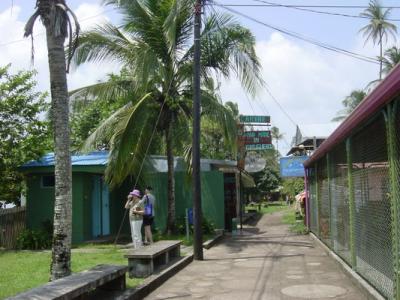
(257, 137)
(292, 166)
(254, 119)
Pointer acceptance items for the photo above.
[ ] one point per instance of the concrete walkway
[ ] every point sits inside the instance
(265, 262)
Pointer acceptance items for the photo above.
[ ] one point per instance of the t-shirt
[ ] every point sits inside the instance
(152, 201)
(133, 207)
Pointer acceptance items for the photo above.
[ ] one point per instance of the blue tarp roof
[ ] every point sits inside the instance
(97, 158)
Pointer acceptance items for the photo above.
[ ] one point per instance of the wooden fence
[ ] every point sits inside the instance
(12, 223)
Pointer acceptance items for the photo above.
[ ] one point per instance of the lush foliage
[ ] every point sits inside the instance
(350, 103)
(154, 45)
(292, 186)
(379, 27)
(23, 135)
(269, 178)
(391, 59)
(207, 226)
(277, 136)
(36, 239)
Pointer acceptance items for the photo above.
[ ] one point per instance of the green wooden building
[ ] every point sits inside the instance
(99, 211)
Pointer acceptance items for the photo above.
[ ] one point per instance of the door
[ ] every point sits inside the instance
(229, 199)
(105, 208)
(100, 207)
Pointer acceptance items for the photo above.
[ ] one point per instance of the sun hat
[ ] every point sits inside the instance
(135, 193)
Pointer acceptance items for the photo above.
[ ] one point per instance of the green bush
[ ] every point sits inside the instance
(207, 227)
(36, 239)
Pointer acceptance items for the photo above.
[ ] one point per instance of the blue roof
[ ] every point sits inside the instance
(97, 158)
(100, 158)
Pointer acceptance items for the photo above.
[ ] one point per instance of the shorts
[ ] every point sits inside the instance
(147, 220)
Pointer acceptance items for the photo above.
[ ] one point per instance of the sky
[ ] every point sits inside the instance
(305, 84)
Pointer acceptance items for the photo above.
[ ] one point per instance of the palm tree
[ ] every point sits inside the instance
(350, 103)
(276, 135)
(54, 14)
(378, 27)
(390, 59)
(154, 45)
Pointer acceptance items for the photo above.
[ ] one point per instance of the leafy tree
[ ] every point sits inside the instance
(154, 44)
(213, 139)
(390, 59)
(378, 28)
(293, 186)
(55, 16)
(23, 136)
(277, 136)
(350, 103)
(269, 179)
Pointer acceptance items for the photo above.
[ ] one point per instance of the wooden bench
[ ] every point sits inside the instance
(79, 285)
(144, 261)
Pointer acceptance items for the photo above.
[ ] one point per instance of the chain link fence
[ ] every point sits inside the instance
(351, 209)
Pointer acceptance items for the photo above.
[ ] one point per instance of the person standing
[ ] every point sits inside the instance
(136, 211)
(148, 201)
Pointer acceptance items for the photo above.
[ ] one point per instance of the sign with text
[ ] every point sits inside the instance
(257, 137)
(292, 166)
(254, 119)
(259, 147)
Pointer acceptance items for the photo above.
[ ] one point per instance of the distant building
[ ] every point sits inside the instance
(309, 137)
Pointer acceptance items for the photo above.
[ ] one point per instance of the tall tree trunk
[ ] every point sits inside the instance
(61, 251)
(171, 181)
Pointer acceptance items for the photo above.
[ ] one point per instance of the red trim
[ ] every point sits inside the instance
(378, 98)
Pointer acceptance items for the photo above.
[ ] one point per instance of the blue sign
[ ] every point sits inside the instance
(190, 215)
(292, 166)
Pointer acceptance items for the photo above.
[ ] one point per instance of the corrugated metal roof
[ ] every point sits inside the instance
(100, 158)
(97, 158)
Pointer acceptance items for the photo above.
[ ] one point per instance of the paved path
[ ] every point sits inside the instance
(265, 262)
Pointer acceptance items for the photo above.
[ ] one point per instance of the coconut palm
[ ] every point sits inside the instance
(277, 136)
(390, 59)
(55, 15)
(350, 103)
(378, 27)
(155, 47)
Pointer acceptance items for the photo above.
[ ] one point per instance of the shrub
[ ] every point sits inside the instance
(36, 239)
(207, 227)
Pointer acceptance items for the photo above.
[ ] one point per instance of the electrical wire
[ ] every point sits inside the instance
(43, 32)
(302, 37)
(310, 6)
(318, 11)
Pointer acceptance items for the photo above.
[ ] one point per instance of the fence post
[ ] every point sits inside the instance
(317, 196)
(393, 152)
(329, 174)
(352, 207)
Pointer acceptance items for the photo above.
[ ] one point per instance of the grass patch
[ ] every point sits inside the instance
(269, 207)
(23, 270)
(295, 226)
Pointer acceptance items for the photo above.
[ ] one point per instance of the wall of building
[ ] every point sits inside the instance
(40, 204)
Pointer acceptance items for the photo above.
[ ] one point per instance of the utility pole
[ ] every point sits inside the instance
(197, 213)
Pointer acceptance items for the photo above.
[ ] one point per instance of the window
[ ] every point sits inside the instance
(48, 181)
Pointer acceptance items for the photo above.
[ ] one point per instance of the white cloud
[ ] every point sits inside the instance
(19, 53)
(308, 82)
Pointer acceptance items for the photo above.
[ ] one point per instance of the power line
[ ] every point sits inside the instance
(42, 33)
(307, 6)
(302, 37)
(318, 11)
